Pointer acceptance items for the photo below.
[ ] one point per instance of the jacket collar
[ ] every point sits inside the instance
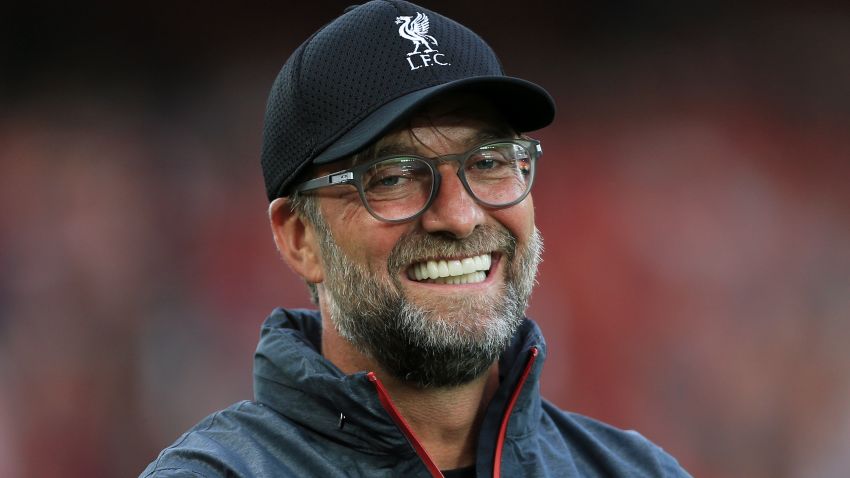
(293, 378)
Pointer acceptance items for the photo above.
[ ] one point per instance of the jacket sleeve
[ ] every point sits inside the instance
(172, 473)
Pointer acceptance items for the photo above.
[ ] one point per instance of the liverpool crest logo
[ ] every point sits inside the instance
(416, 30)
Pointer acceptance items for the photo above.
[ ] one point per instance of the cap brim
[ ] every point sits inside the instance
(525, 106)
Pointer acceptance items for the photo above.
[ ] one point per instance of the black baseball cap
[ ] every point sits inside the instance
(370, 68)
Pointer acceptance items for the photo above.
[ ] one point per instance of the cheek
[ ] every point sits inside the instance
(341, 209)
(518, 219)
(361, 237)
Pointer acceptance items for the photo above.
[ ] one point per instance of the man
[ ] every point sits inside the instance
(399, 182)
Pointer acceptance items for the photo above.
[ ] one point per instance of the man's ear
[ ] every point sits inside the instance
(296, 241)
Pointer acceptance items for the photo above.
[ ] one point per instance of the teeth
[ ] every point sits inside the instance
(471, 278)
(455, 271)
(431, 269)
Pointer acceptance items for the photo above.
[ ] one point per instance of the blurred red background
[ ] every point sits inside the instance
(694, 203)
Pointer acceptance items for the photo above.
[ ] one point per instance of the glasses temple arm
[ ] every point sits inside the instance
(342, 177)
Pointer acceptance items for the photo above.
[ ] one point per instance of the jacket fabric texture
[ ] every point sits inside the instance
(310, 419)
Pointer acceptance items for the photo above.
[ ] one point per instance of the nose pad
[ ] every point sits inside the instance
(453, 210)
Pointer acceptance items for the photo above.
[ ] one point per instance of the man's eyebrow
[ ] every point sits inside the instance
(392, 149)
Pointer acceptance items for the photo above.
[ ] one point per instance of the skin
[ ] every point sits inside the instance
(446, 420)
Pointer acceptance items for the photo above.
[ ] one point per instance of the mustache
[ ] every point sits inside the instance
(420, 246)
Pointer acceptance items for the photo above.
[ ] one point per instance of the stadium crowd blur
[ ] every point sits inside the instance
(694, 202)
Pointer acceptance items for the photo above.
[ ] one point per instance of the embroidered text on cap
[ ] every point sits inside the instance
(417, 32)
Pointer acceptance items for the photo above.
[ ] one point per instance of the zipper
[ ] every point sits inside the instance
(402, 424)
(500, 441)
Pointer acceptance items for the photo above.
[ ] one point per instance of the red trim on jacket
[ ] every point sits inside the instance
(500, 442)
(384, 397)
(402, 424)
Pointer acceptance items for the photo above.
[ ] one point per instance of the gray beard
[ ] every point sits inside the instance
(412, 342)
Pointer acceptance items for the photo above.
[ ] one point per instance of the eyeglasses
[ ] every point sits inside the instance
(497, 174)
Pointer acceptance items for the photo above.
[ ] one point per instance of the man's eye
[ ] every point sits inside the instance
(484, 163)
(395, 176)
(389, 180)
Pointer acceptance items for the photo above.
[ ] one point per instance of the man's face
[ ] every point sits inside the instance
(427, 333)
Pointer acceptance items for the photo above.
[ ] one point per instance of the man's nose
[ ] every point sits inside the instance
(453, 210)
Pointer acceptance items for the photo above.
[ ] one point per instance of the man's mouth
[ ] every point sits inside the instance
(467, 270)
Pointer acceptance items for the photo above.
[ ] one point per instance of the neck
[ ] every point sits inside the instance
(446, 421)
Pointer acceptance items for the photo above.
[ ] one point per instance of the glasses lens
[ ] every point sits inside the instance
(499, 173)
(397, 188)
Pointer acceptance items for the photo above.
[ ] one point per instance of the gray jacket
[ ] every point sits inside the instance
(309, 419)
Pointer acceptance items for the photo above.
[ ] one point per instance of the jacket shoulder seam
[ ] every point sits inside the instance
(183, 440)
(172, 468)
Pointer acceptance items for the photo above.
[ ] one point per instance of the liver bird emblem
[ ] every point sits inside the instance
(417, 32)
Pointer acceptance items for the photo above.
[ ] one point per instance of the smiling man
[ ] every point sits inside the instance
(399, 180)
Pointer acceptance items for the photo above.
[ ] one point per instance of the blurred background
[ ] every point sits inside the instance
(694, 202)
